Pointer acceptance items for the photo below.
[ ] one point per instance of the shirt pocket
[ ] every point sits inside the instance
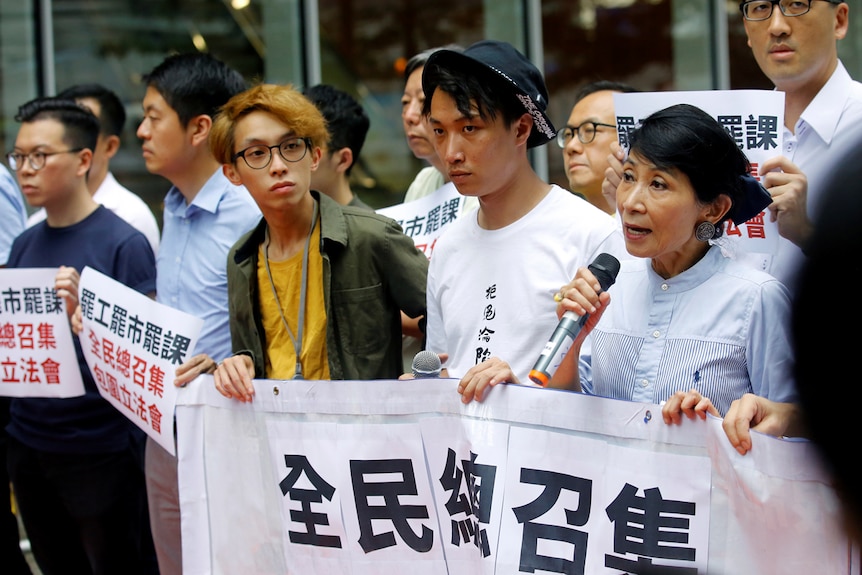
(362, 318)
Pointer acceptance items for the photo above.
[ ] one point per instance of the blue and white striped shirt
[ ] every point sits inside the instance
(719, 327)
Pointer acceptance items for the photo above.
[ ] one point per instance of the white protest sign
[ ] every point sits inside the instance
(36, 348)
(426, 218)
(755, 120)
(133, 345)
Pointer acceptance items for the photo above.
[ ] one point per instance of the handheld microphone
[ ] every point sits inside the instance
(605, 267)
(426, 364)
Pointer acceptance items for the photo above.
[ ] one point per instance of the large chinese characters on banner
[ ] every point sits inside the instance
(754, 119)
(371, 477)
(133, 346)
(37, 351)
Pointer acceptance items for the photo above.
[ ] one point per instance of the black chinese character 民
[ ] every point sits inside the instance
(393, 509)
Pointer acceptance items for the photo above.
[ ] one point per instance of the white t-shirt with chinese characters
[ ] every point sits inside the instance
(491, 292)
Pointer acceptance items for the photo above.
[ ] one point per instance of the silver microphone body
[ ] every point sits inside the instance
(605, 268)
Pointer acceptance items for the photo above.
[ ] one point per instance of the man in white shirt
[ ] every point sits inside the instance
(587, 137)
(494, 273)
(796, 46)
(106, 190)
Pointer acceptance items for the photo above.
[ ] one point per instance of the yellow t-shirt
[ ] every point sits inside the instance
(287, 275)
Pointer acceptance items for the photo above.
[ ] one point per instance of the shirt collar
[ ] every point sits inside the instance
(207, 199)
(704, 269)
(824, 111)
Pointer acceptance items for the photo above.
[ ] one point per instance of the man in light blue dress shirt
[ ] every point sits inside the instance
(13, 214)
(204, 215)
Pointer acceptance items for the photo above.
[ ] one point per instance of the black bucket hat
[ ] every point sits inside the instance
(506, 62)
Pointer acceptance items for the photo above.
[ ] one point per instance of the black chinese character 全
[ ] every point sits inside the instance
(533, 532)
(392, 510)
(649, 527)
(299, 464)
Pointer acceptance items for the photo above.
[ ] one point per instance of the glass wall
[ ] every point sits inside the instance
(360, 47)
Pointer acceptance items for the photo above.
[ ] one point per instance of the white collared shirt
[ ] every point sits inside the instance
(825, 131)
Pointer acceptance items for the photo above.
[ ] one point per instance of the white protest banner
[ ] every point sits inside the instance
(361, 477)
(36, 347)
(133, 345)
(426, 218)
(755, 120)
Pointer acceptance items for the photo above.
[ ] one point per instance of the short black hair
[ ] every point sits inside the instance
(195, 83)
(741, 2)
(471, 84)
(345, 118)
(81, 126)
(112, 116)
(602, 86)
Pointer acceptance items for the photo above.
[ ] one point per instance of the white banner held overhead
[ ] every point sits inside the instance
(36, 348)
(398, 476)
(133, 345)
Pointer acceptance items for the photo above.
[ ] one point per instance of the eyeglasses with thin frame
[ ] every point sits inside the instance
(759, 10)
(258, 157)
(586, 133)
(37, 159)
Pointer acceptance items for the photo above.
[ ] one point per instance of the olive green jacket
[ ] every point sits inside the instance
(371, 272)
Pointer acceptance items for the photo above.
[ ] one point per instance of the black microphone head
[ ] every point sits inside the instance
(605, 267)
(426, 364)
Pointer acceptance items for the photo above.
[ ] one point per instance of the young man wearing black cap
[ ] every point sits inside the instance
(494, 273)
